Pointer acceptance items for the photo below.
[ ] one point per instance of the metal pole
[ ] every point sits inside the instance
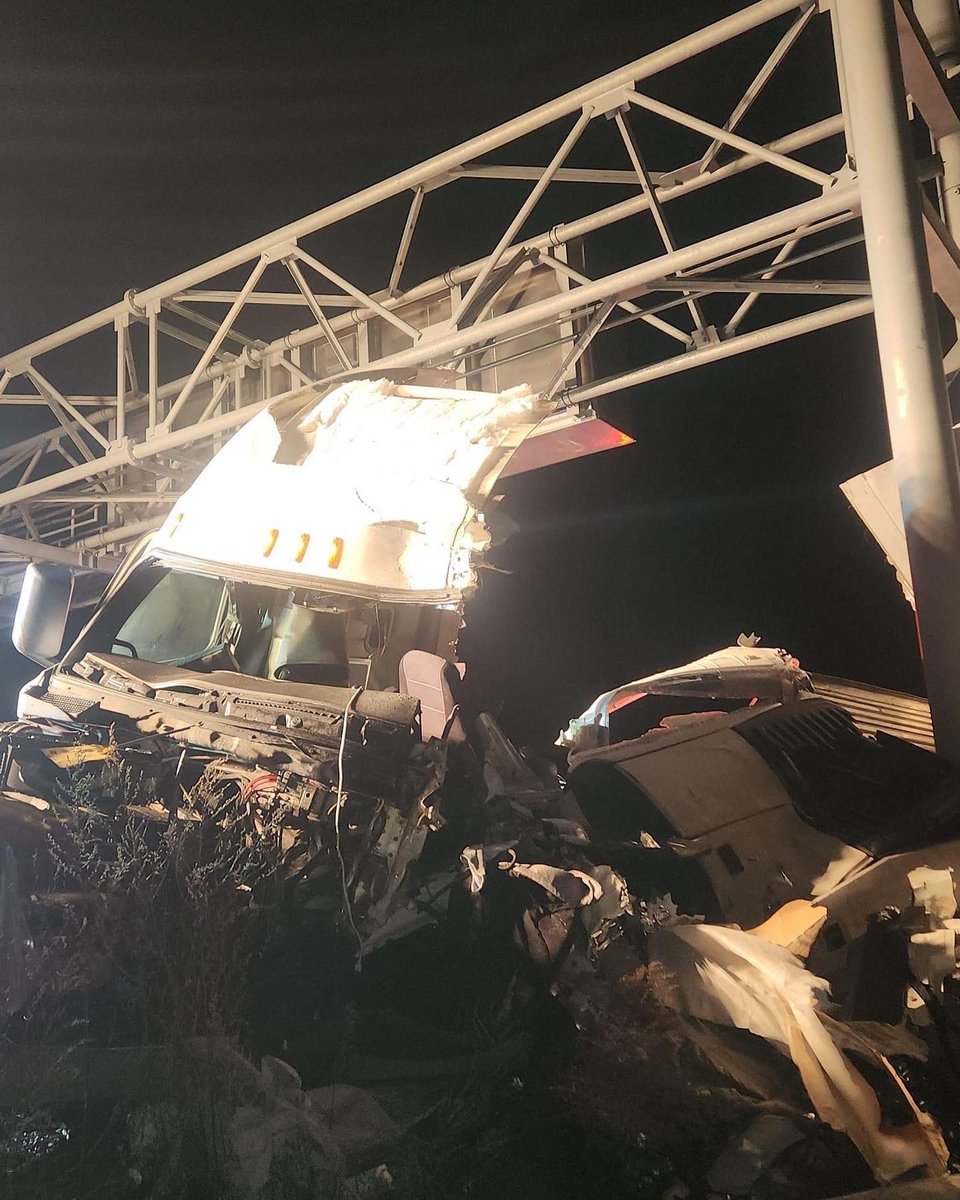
(760, 81)
(717, 351)
(153, 368)
(656, 208)
(918, 412)
(225, 326)
(23, 550)
(393, 287)
(318, 314)
(524, 211)
(562, 268)
(728, 139)
(334, 277)
(120, 430)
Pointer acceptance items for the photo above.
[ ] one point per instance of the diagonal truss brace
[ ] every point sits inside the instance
(656, 209)
(579, 347)
(318, 314)
(406, 238)
(60, 405)
(562, 268)
(729, 139)
(374, 305)
(215, 342)
(524, 211)
(760, 81)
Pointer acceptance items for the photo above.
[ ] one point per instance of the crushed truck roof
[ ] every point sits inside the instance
(375, 488)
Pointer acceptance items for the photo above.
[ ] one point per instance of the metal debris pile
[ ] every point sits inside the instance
(765, 856)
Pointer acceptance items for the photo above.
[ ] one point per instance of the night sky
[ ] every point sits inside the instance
(140, 141)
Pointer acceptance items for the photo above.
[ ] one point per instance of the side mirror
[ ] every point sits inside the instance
(42, 610)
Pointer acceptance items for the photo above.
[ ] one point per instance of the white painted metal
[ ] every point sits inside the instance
(918, 410)
(524, 211)
(809, 323)
(557, 236)
(811, 174)
(318, 314)
(760, 81)
(130, 452)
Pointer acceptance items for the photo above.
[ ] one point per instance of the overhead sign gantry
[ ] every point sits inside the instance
(190, 359)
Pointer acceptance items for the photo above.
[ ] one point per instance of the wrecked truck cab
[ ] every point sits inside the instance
(806, 789)
(282, 646)
(317, 547)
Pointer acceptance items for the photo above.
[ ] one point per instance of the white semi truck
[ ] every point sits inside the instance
(287, 638)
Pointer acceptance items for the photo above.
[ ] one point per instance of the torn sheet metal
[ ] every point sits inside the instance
(875, 708)
(573, 888)
(566, 435)
(794, 926)
(932, 951)
(742, 672)
(376, 488)
(730, 977)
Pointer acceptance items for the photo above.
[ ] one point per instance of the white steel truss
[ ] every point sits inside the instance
(183, 375)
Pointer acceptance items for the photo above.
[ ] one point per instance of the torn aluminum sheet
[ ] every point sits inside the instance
(730, 977)
(794, 926)
(376, 489)
(742, 672)
(573, 888)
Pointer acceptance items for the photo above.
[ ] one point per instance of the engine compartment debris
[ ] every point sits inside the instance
(282, 897)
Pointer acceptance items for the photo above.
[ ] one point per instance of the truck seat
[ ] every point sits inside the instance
(436, 683)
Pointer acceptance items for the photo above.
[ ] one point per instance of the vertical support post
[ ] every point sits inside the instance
(152, 369)
(940, 21)
(918, 413)
(120, 426)
(842, 86)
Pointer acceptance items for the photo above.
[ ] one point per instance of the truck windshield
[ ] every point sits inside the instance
(181, 618)
(167, 615)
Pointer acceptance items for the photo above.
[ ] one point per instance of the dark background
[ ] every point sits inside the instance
(141, 140)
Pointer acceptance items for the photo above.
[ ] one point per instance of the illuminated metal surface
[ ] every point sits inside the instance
(182, 375)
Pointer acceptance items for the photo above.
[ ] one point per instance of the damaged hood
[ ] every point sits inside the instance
(742, 672)
(377, 489)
